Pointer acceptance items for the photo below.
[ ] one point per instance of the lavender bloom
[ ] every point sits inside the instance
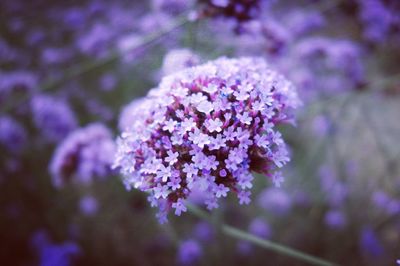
(321, 126)
(86, 153)
(301, 22)
(240, 10)
(332, 66)
(54, 254)
(386, 203)
(260, 228)
(53, 117)
(173, 7)
(275, 200)
(61, 255)
(54, 56)
(12, 135)
(126, 45)
(210, 126)
(189, 252)
(244, 248)
(376, 19)
(178, 59)
(88, 205)
(96, 42)
(16, 82)
(336, 191)
(370, 243)
(154, 21)
(335, 219)
(7, 53)
(204, 231)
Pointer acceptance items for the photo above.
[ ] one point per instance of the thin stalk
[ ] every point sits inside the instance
(239, 234)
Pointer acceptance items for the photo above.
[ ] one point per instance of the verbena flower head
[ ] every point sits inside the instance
(16, 83)
(173, 7)
(86, 153)
(322, 66)
(376, 20)
(50, 253)
(260, 228)
(207, 128)
(189, 252)
(12, 135)
(53, 117)
(335, 219)
(240, 10)
(88, 205)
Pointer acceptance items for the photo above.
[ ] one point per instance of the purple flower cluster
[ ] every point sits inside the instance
(379, 19)
(370, 243)
(12, 135)
(337, 192)
(207, 128)
(15, 82)
(86, 153)
(53, 117)
(333, 65)
(173, 7)
(50, 254)
(189, 252)
(276, 201)
(240, 10)
(88, 205)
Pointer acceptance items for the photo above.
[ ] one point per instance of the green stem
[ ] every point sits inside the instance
(239, 234)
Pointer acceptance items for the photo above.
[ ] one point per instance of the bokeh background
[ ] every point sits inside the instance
(69, 69)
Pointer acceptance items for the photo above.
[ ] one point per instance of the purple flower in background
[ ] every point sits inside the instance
(189, 252)
(376, 19)
(335, 219)
(240, 10)
(370, 244)
(12, 135)
(244, 248)
(86, 153)
(336, 191)
(88, 205)
(198, 106)
(126, 46)
(332, 66)
(386, 203)
(203, 231)
(61, 255)
(16, 82)
(51, 254)
(97, 41)
(260, 228)
(178, 59)
(173, 7)
(302, 21)
(53, 117)
(321, 125)
(275, 200)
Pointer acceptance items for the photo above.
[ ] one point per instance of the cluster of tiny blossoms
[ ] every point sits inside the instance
(85, 154)
(206, 128)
